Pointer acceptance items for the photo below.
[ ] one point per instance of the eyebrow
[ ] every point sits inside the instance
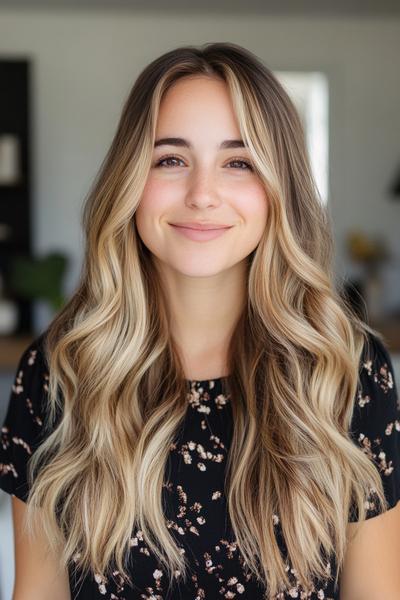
(174, 141)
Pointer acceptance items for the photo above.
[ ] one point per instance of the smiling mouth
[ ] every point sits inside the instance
(200, 235)
(200, 226)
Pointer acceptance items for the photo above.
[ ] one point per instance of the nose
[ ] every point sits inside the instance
(202, 191)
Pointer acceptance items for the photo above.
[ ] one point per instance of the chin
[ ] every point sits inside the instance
(202, 271)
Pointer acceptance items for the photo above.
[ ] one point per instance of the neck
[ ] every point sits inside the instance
(203, 315)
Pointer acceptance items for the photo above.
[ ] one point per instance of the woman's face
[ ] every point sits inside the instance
(198, 180)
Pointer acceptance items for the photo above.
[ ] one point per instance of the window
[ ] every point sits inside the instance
(309, 92)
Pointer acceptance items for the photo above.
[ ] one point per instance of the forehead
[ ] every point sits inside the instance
(197, 106)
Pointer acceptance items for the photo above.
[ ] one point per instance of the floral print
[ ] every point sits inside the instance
(194, 499)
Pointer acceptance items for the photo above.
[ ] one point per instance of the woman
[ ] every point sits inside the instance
(206, 415)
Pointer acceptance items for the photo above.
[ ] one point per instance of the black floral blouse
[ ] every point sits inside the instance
(193, 494)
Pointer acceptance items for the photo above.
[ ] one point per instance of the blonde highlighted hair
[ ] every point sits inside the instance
(117, 382)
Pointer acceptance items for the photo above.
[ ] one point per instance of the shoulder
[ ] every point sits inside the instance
(376, 364)
(377, 393)
(375, 424)
(31, 374)
(24, 424)
(31, 377)
(34, 353)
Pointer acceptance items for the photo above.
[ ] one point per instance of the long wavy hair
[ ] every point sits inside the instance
(117, 392)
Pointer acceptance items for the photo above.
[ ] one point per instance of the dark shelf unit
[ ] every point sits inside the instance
(15, 198)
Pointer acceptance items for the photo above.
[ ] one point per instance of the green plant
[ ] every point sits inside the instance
(40, 278)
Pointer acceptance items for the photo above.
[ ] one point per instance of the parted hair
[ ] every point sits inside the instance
(117, 392)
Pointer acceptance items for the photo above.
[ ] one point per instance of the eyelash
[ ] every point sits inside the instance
(160, 160)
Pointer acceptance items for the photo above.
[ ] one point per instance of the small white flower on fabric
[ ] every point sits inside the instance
(133, 541)
(187, 458)
(100, 581)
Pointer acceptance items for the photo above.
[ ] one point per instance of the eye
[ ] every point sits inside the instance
(164, 159)
(243, 162)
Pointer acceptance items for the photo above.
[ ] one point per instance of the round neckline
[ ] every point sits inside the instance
(206, 382)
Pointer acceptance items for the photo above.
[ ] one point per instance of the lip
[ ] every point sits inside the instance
(201, 226)
(200, 235)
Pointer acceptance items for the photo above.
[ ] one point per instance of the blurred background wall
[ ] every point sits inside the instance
(83, 64)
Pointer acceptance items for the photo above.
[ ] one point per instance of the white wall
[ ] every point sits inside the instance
(86, 61)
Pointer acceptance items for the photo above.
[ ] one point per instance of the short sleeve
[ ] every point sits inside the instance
(21, 431)
(375, 425)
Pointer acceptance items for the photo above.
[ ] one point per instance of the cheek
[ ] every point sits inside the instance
(151, 196)
(253, 205)
(151, 213)
(150, 206)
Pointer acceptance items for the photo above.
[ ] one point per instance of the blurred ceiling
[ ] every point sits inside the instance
(357, 8)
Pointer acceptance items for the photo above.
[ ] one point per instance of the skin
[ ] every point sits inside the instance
(205, 282)
(37, 573)
(371, 567)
